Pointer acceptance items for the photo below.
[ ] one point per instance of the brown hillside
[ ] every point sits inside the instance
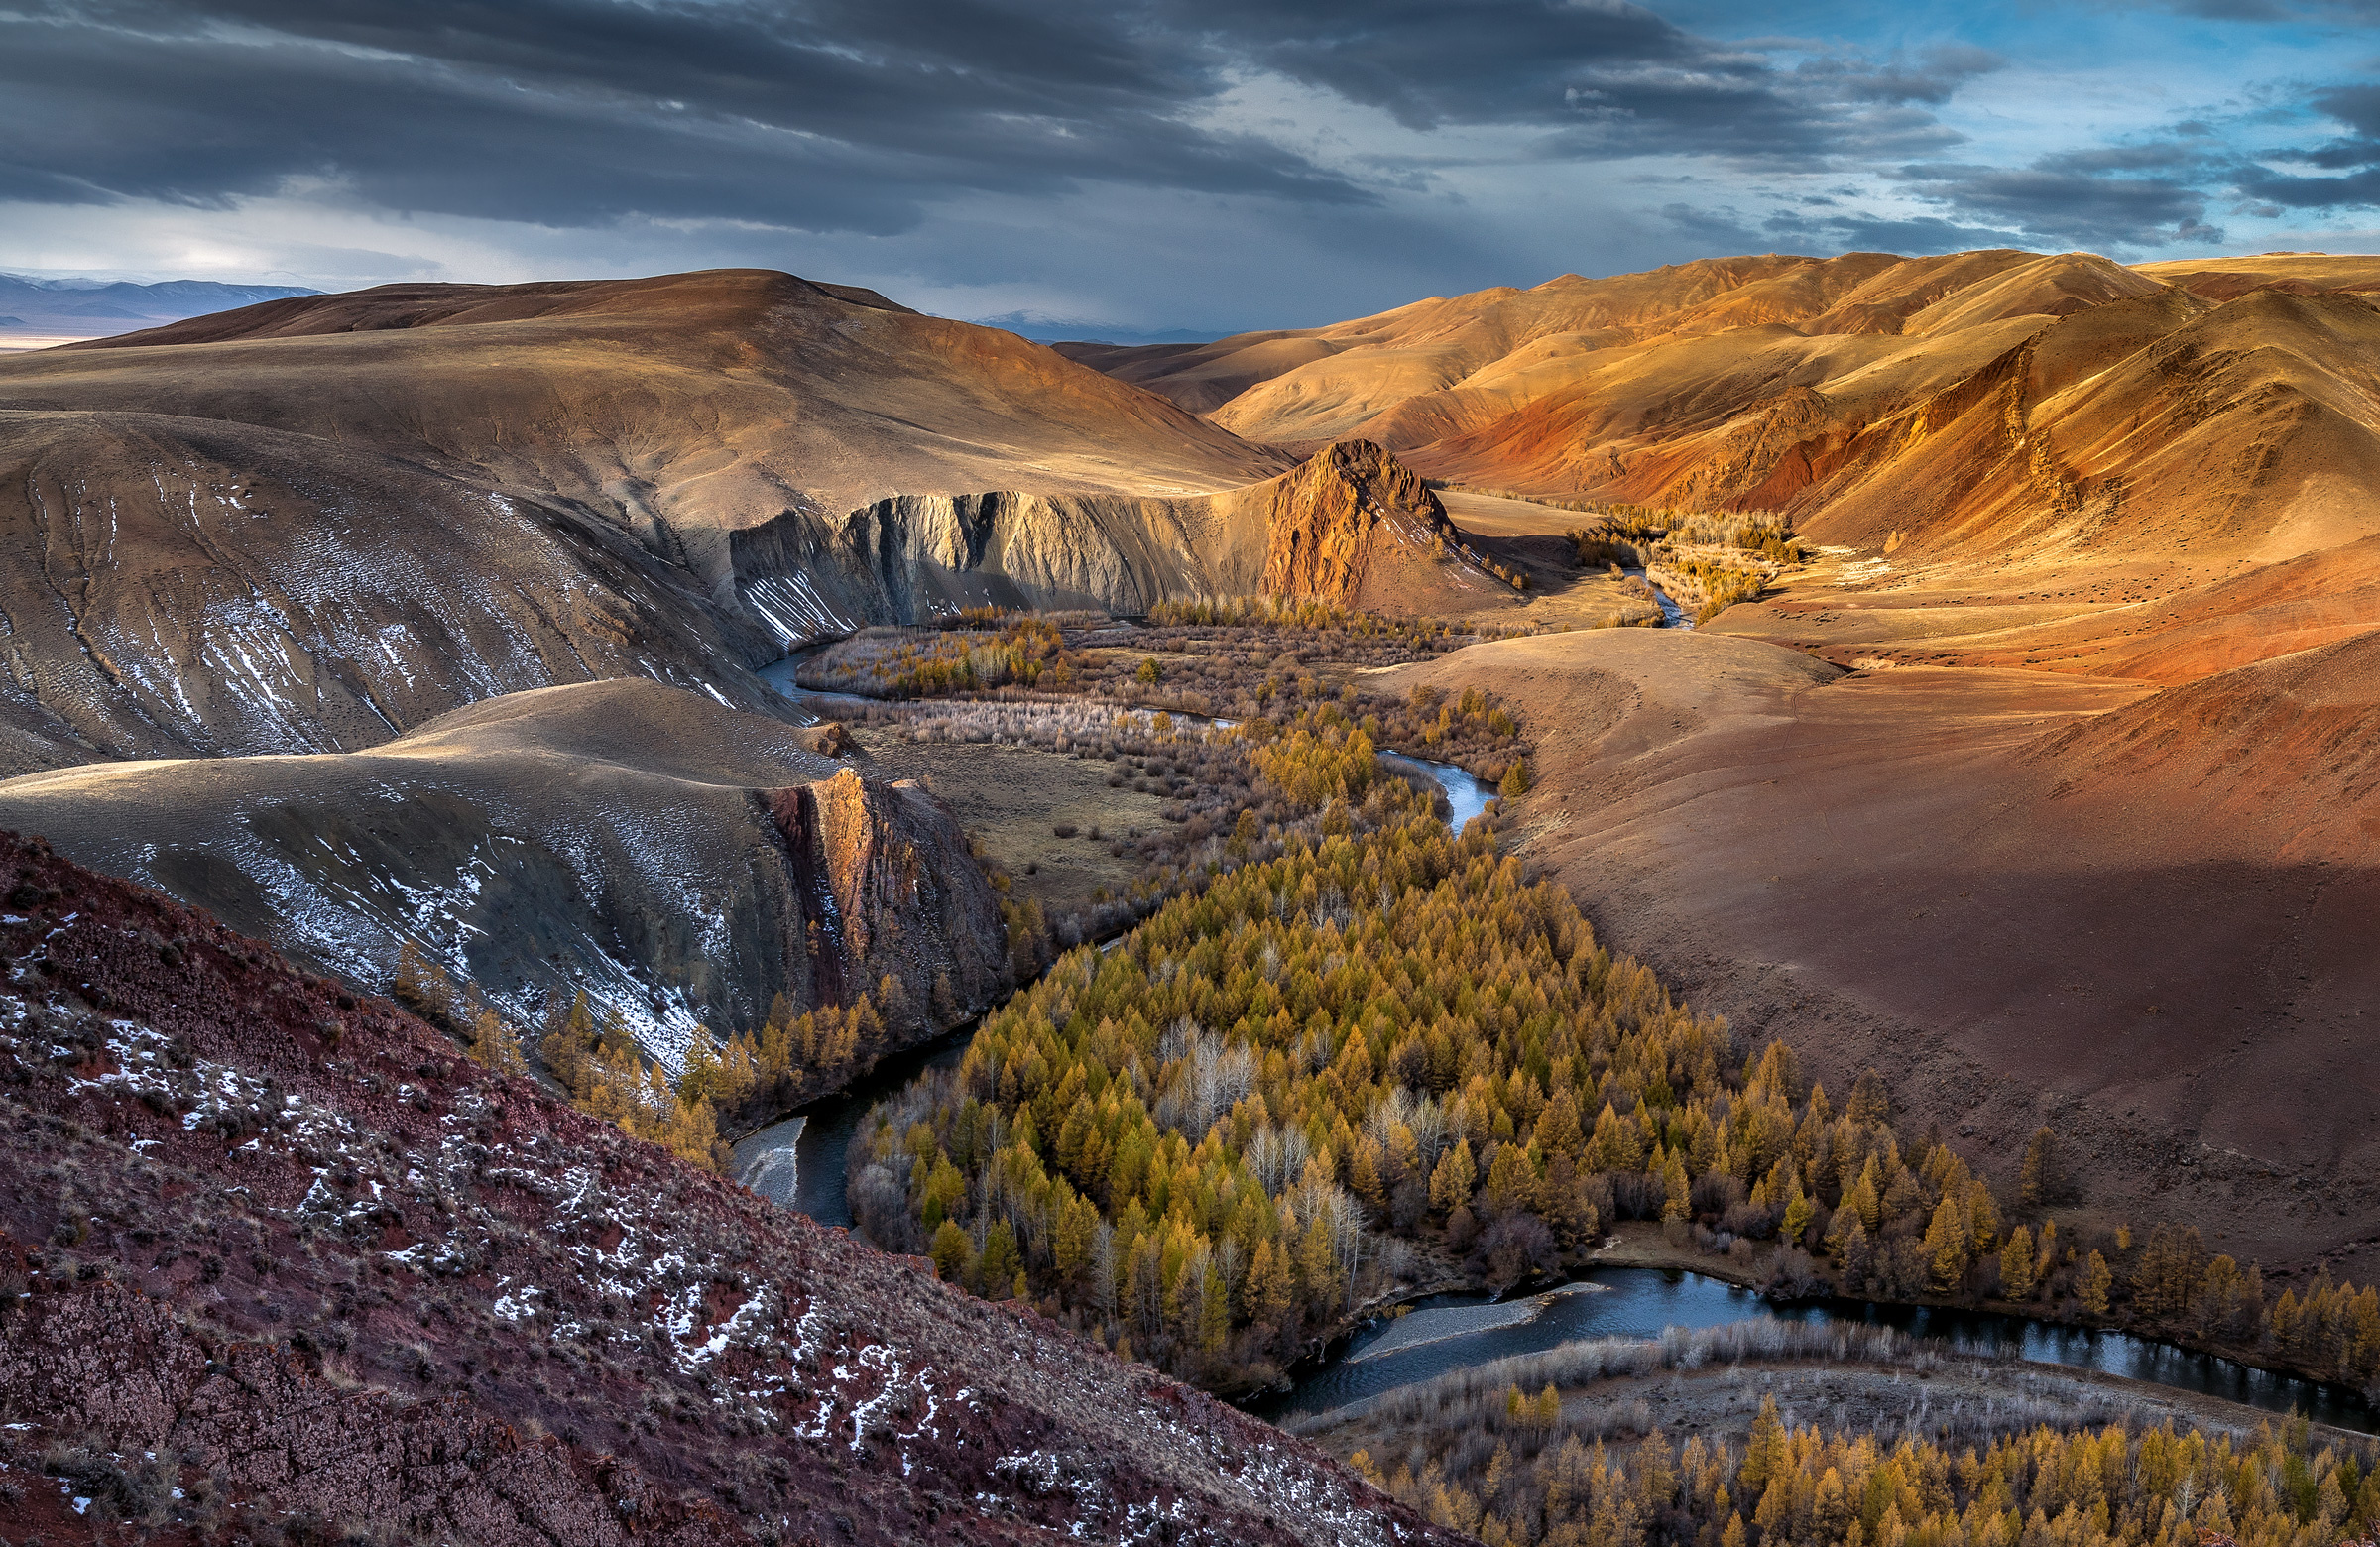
(2033, 888)
(725, 424)
(284, 1267)
(2056, 449)
(708, 401)
(312, 525)
(178, 586)
(681, 862)
(2141, 918)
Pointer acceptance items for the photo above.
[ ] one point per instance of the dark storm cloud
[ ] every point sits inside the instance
(2349, 165)
(1871, 233)
(2069, 203)
(1931, 78)
(844, 116)
(829, 115)
(569, 111)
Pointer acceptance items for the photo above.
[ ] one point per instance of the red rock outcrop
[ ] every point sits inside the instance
(880, 902)
(1330, 523)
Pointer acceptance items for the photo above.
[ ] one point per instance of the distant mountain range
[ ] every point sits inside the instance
(1076, 331)
(86, 308)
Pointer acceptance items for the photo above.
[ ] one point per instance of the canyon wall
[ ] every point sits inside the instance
(680, 863)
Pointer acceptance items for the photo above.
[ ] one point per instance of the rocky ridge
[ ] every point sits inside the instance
(681, 862)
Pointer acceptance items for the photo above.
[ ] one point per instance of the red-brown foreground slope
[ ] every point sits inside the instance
(282, 1268)
(2141, 918)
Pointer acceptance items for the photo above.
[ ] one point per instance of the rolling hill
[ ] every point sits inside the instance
(43, 312)
(315, 523)
(2045, 788)
(2053, 436)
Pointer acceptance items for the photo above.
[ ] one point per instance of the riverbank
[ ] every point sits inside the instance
(1637, 1249)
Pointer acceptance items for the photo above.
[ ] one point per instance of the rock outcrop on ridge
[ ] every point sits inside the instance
(683, 863)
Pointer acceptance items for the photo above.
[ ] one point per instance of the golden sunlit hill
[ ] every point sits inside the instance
(2032, 446)
(312, 525)
(2042, 786)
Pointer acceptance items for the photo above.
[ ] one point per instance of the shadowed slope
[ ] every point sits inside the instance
(313, 523)
(2141, 918)
(681, 862)
(176, 585)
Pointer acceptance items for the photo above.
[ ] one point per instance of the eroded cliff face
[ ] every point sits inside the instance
(1315, 530)
(1326, 523)
(887, 890)
(178, 589)
(680, 863)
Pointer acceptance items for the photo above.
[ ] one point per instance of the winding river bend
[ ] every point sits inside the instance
(1673, 616)
(800, 1163)
(1454, 1332)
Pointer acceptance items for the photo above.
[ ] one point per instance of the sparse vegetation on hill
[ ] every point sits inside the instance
(1708, 560)
(277, 1266)
(1246, 660)
(922, 662)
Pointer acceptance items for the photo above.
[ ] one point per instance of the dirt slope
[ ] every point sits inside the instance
(292, 1270)
(472, 489)
(680, 862)
(180, 586)
(709, 401)
(2140, 916)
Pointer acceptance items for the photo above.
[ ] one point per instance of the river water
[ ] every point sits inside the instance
(1455, 1332)
(1672, 615)
(800, 1163)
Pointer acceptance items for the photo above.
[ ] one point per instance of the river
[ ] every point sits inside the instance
(1672, 615)
(1452, 1332)
(800, 1162)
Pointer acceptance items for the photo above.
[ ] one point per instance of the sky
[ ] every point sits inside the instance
(1203, 165)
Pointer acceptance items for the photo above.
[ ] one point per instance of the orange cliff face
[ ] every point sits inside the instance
(1350, 508)
(881, 906)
